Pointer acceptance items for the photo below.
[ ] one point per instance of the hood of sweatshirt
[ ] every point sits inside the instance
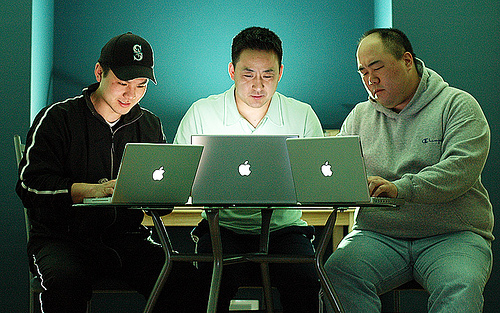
(431, 84)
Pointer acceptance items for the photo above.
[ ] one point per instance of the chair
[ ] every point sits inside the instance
(34, 282)
(411, 285)
(106, 285)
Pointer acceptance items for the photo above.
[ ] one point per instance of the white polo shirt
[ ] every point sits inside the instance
(218, 115)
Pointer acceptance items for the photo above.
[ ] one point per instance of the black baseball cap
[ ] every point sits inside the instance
(129, 56)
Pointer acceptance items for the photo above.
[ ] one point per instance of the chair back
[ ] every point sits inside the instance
(35, 284)
(19, 148)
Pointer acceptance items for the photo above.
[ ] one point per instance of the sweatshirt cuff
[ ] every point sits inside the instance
(405, 188)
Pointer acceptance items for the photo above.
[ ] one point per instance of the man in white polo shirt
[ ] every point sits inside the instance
(252, 106)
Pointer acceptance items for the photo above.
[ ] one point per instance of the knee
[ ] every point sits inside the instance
(332, 264)
(64, 277)
(463, 293)
(460, 289)
(463, 282)
(338, 265)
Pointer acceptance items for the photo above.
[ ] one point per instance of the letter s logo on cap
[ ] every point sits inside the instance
(137, 52)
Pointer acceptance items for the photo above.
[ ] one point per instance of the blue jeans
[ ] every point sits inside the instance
(453, 268)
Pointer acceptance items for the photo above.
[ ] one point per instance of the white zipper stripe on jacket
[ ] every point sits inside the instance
(32, 144)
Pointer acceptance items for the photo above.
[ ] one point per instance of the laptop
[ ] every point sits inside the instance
(329, 170)
(243, 170)
(159, 174)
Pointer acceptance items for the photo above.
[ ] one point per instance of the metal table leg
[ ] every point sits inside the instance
(264, 266)
(165, 271)
(213, 223)
(325, 281)
(264, 259)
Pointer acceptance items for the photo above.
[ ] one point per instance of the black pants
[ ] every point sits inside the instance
(298, 284)
(68, 268)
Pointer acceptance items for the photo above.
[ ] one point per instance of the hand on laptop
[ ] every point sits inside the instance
(83, 190)
(380, 187)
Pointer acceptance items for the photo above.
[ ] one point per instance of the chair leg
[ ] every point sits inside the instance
(33, 296)
(320, 299)
(89, 304)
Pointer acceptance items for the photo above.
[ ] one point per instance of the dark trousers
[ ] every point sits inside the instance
(68, 268)
(298, 284)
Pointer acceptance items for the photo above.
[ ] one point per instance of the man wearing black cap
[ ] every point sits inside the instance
(73, 151)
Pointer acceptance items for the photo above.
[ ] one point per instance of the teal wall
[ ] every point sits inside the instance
(15, 25)
(192, 42)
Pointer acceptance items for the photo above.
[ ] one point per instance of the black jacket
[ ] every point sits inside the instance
(69, 142)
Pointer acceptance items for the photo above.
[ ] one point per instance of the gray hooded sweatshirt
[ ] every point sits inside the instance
(434, 151)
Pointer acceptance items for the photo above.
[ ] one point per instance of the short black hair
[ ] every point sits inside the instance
(256, 38)
(394, 40)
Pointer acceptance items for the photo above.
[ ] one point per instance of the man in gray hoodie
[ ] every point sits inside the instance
(427, 143)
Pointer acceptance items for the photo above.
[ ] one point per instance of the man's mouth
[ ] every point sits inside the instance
(375, 92)
(124, 104)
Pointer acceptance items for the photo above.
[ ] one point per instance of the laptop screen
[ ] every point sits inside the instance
(328, 170)
(241, 170)
(153, 173)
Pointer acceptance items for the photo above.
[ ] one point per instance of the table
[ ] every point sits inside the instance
(261, 257)
(190, 217)
(216, 257)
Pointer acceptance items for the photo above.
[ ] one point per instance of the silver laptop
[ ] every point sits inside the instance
(243, 170)
(331, 170)
(160, 174)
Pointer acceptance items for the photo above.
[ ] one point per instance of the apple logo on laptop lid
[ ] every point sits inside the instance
(244, 169)
(326, 169)
(158, 174)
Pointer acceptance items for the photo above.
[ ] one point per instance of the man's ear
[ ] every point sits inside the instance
(230, 69)
(281, 72)
(98, 71)
(408, 59)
